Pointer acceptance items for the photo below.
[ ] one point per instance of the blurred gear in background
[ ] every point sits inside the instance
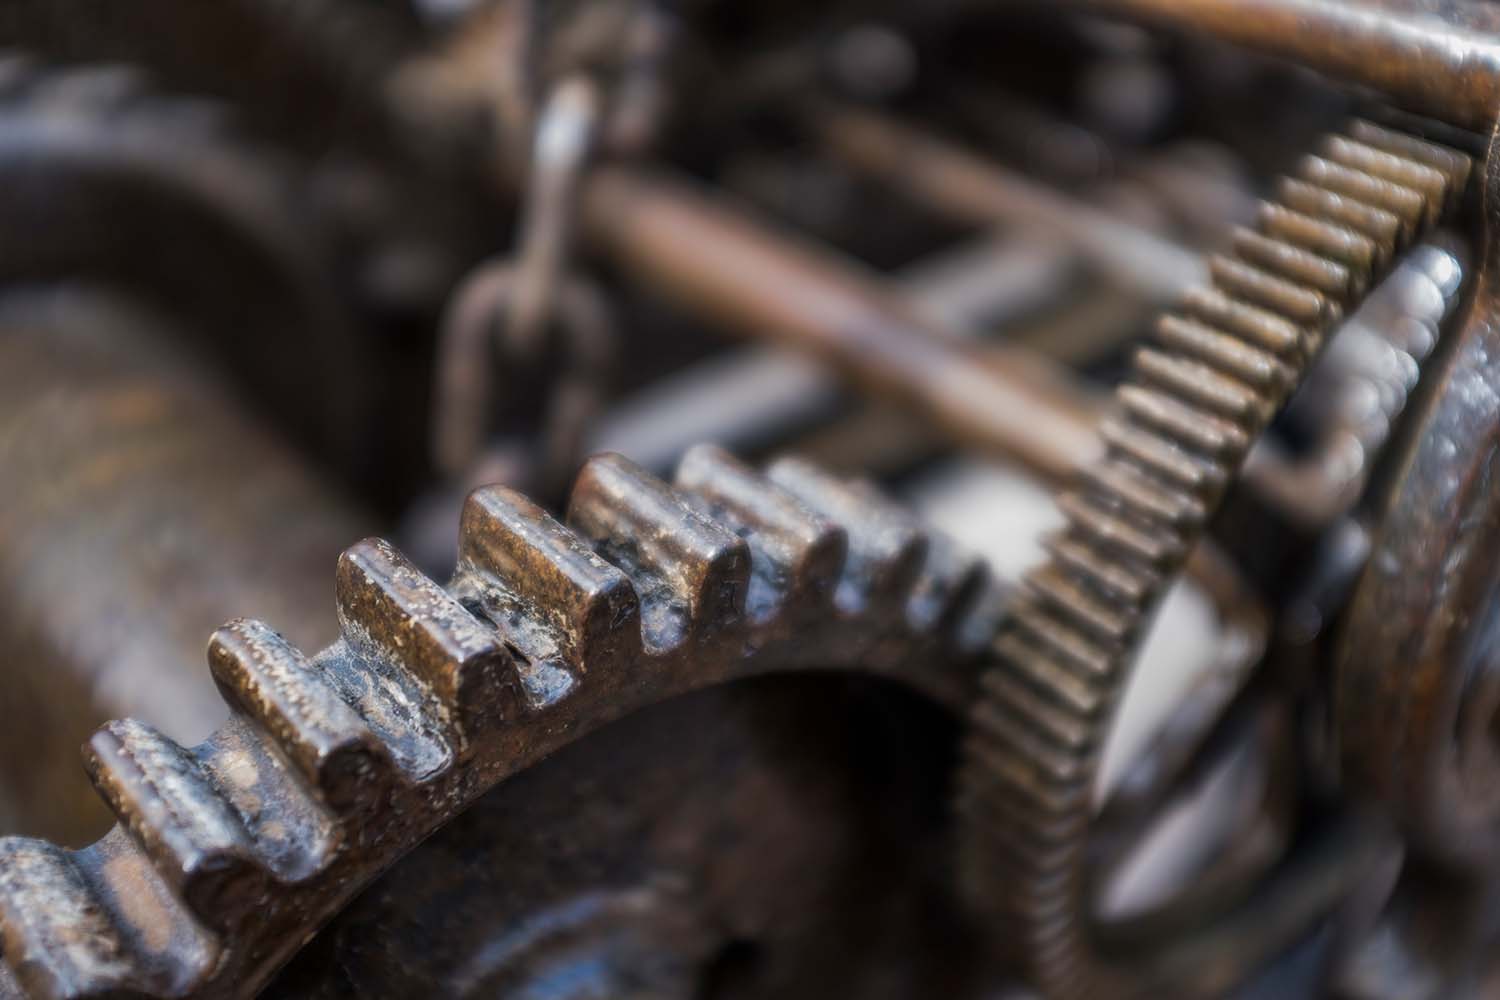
(858, 499)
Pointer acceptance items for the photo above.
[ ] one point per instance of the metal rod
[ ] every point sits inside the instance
(768, 284)
(1443, 59)
(971, 188)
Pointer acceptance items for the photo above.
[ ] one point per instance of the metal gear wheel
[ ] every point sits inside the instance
(1197, 400)
(229, 856)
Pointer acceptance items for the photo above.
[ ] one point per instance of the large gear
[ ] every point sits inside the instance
(1187, 417)
(230, 855)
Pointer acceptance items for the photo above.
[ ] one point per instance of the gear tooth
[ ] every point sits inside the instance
(1081, 652)
(1152, 500)
(952, 580)
(58, 938)
(797, 555)
(556, 599)
(1003, 727)
(1298, 303)
(1228, 354)
(1430, 184)
(1326, 239)
(1297, 264)
(692, 573)
(1107, 528)
(886, 547)
(1379, 224)
(172, 809)
(1205, 386)
(1049, 715)
(270, 680)
(1164, 456)
(389, 610)
(1259, 326)
(1453, 165)
(1195, 428)
(1400, 201)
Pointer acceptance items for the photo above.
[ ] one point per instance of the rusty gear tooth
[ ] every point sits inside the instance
(563, 607)
(1454, 166)
(272, 682)
(1227, 353)
(1331, 241)
(886, 547)
(389, 610)
(241, 846)
(796, 554)
(1297, 264)
(1294, 302)
(1429, 183)
(952, 580)
(1400, 201)
(56, 936)
(1191, 410)
(690, 572)
(172, 808)
(1376, 222)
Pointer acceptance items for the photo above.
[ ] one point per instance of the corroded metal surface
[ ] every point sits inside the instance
(138, 509)
(334, 765)
(1224, 364)
(1417, 691)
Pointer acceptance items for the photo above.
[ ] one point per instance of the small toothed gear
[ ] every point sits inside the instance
(1223, 365)
(230, 855)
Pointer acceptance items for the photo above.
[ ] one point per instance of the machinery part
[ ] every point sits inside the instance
(1439, 57)
(765, 284)
(1355, 395)
(1416, 688)
(230, 855)
(718, 845)
(564, 139)
(465, 392)
(133, 499)
(94, 165)
(1189, 414)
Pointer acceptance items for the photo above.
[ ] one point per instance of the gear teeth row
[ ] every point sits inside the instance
(689, 572)
(230, 854)
(1221, 367)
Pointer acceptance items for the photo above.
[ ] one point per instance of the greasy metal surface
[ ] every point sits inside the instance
(1439, 56)
(139, 508)
(1195, 402)
(231, 854)
(1417, 689)
(717, 846)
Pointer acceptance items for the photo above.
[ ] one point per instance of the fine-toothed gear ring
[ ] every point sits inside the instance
(1222, 366)
(230, 855)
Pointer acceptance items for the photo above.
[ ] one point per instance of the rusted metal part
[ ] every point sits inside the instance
(1416, 688)
(1356, 394)
(1439, 57)
(763, 283)
(333, 766)
(971, 188)
(138, 509)
(1226, 362)
(560, 150)
(467, 373)
(718, 845)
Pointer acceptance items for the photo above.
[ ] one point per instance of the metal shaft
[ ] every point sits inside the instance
(764, 283)
(1441, 57)
(969, 187)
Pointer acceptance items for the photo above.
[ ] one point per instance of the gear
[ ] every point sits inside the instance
(1198, 399)
(230, 855)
